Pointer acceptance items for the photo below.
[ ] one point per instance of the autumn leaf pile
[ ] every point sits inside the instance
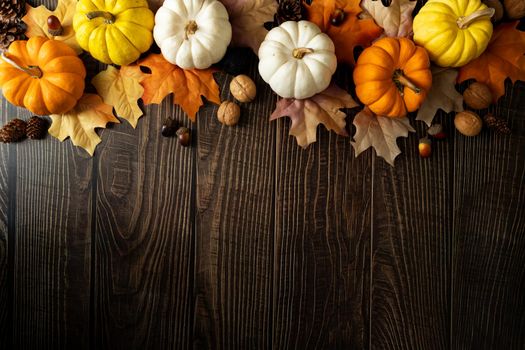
(152, 78)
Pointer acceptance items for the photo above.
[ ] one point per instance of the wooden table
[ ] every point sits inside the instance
(246, 241)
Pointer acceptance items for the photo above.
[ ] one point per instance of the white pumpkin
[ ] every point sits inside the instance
(297, 60)
(192, 33)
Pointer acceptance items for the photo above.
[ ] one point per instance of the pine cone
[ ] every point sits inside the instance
(289, 10)
(36, 128)
(11, 31)
(10, 10)
(13, 131)
(498, 124)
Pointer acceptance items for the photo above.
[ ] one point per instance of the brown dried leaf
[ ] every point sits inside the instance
(380, 133)
(247, 18)
(442, 95)
(306, 115)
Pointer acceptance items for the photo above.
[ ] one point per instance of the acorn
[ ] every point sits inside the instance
(54, 27)
(424, 147)
(477, 96)
(337, 17)
(184, 136)
(468, 123)
(169, 127)
(436, 131)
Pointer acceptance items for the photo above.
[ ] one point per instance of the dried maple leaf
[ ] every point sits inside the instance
(79, 124)
(395, 19)
(350, 33)
(380, 133)
(442, 95)
(186, 85)
(247, 18)
(121, 89)
(307, 114)
(502, 59)
(36, 20)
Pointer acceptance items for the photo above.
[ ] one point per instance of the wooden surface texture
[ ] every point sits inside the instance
(246, 241)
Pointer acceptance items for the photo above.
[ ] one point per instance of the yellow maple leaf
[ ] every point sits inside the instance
(79, 124)
(36, 20)
(121, 89)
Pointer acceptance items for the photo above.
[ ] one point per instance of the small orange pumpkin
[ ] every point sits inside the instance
(43, 75)
(392, 77)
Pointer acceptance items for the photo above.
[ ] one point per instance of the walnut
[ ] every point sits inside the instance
(229, 113)
(243, 88)
(498, 8)
(477, 96)
(468, 123)
(515, 8)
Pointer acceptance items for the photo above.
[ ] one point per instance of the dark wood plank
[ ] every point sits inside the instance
(488, 303)
(144, 237)
(5, 285)
(51, 287)
(322, 262)
(235, 225)
(412, 228)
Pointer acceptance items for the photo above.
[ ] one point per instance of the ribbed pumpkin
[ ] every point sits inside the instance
(43, 75)
(115, 31)
(454, 32)
(192, 33)
(392, 77)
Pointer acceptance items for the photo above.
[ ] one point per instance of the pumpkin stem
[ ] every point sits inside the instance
(191, 28)
(401, 81)
(33, 71)
(464, 22)
(109, 17)
(301, 51)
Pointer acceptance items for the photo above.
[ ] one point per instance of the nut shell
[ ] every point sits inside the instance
(468, 123)
(515, 8)
(498, 8)
(229, 113)
(477, 96)
(243, 88)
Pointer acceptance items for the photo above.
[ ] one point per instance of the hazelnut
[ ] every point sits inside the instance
(515, 8)
(477, 96)
(498, 8)
(243, 88)
(468, 123)
(229, 113)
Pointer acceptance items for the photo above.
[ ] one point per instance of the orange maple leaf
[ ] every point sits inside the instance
(504, 57)
(350, 33)
(187, 85)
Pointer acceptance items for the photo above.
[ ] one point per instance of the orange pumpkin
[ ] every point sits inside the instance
(392, 77)
(43, 75)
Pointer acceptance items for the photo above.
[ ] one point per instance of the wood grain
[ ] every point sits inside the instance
(488, 304)
(5, 283)
(322, 250)
(144, 237)
(235, 223)
(52, 246)
(322, 264)
(412, 232)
